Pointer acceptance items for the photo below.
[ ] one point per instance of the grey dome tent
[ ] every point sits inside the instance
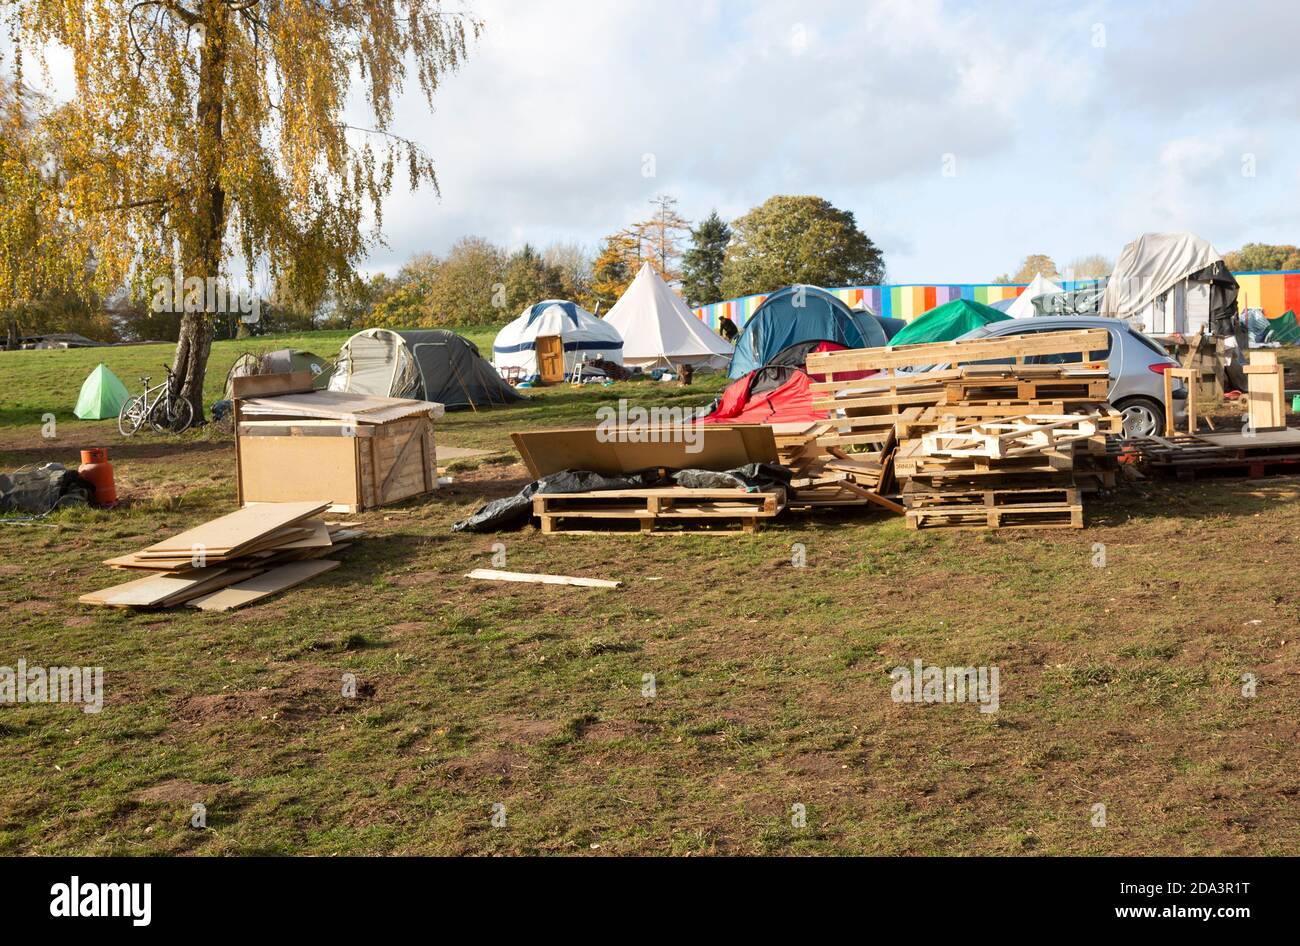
(426, 364)
(283, 361)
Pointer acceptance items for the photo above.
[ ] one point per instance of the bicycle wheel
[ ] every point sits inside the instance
(180, 416)
(131, 417)
(173, 416)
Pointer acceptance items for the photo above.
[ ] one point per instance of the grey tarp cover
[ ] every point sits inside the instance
(513, 512)
(1086, 300)
(427, 364)
(1154, 263)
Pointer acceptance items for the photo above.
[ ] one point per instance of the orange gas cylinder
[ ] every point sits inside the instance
(97, 471)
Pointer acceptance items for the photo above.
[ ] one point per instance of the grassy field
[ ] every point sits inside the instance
(1121, 650)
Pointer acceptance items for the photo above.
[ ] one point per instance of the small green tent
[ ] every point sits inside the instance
(946, 322)
(1285, 329)
(102, 395)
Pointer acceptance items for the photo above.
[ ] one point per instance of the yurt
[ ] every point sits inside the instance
(548, 339)
(658, 329)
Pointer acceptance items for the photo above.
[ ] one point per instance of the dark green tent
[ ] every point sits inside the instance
(946, 322)
(1285, 329)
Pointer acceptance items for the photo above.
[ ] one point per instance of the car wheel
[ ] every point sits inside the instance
(1142, 417)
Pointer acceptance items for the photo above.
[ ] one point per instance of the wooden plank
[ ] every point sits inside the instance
(491, 574)
(270, 582)
(270, 385)
(959, 352)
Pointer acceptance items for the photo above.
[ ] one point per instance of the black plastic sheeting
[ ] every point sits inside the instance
(514, 512)
(43, 489)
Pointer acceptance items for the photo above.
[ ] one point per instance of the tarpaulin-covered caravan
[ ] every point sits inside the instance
(1172, 283)
(425, 365)
(548, 339)
(801, 314)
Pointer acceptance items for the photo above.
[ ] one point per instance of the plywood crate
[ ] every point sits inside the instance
(352, 464)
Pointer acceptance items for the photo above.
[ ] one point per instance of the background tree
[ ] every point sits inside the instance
(660, 238)
(45, 267)
(1263, 257)
(1093, 266)
(575, 266)
(1032, 265)
(612, 271)
(791, 240)
(702, 263)
(202, 129)
(529, 279)
(408, 302)
(465, 284)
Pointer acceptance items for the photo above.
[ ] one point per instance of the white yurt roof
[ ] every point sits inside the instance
(1023, 306)
(584, 335)
(658, 328)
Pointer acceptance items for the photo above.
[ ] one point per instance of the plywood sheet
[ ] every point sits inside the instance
(268, 583)
(715, 447)
(241, 528)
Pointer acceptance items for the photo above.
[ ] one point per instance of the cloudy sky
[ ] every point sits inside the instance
(963, 135)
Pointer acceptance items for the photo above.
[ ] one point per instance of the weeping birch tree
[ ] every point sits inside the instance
(204, 132)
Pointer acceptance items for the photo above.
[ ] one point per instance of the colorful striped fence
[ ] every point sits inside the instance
(1275, 293)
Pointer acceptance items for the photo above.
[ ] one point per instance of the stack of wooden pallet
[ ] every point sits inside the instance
(230, 562)
(981, 445)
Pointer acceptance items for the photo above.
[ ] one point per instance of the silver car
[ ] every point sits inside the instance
(1137, 365)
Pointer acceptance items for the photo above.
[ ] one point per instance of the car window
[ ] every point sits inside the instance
(1070, 358)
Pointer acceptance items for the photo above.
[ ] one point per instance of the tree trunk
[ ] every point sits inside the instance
(203, 254)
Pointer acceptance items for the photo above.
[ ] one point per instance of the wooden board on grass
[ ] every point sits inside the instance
(270, 582)
(239, 529)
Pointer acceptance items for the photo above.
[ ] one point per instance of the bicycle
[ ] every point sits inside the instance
(157, 406)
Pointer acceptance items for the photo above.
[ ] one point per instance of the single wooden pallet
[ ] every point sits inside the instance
(998, 517)
(656, 510)
(968, 390)
(925, 496)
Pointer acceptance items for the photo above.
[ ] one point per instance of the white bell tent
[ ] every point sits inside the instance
(659, 330)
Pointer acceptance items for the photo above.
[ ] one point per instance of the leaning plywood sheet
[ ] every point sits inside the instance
(264, 585)
(706, 447)
(239, 529)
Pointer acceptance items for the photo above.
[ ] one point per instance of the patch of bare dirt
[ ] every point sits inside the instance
(181, 792)
(403, 628)
(79, 621)
(307, 692)
(520, 729)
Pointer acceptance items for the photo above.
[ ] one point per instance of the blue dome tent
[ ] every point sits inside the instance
(801, 314)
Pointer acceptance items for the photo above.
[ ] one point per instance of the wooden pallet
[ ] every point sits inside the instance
(657, 510)
(1000, 496)
(998, 517)
(1061, 390)
(911, 461)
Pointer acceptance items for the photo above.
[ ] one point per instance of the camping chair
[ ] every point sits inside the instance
(511, 375)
